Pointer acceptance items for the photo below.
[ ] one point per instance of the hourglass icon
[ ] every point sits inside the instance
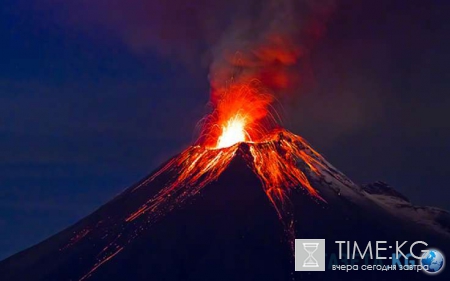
(310, 260)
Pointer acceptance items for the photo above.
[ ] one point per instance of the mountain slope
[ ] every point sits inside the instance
(228, 231)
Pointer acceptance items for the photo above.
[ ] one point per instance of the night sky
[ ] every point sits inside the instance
(91, 100)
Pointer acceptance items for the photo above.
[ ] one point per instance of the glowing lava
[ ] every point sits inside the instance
(241, 113)
(233, 132)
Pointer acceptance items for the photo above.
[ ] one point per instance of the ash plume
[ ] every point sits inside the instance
(257, 52)
(264, 39)
(269, 42)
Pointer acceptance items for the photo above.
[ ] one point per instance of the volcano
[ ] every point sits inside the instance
(230, 213)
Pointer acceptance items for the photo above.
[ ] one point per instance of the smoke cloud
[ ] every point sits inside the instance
(270, 42)
(262, 39)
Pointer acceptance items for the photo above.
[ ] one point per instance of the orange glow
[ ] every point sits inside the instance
(277, 160)
(194, 168)
(281, 160)
(233, 132)
(242, 113)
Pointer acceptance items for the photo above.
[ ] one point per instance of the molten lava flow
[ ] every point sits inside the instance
(195, 168)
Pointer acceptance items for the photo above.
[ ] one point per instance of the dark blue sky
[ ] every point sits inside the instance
(84, 114)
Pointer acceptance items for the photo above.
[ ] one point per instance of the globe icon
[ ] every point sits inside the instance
(433, 260)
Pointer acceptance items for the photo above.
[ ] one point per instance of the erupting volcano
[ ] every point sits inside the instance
(231, 203)
(241, 120)
(281, 159)
(230, 206)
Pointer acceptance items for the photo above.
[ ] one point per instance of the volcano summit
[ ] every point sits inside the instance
(229, 214)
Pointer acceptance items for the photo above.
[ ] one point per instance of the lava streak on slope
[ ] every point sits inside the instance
(275, 159)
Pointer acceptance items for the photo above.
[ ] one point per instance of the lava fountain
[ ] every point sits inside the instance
(233, 132)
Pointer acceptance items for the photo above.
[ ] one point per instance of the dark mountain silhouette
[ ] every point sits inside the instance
(229, 231)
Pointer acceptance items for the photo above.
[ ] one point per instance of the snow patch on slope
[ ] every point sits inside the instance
(399, 205)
